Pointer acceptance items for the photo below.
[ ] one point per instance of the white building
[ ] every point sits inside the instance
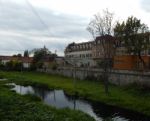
(79, 54)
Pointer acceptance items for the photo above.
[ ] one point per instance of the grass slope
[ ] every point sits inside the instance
(14, 107)
(128, 97)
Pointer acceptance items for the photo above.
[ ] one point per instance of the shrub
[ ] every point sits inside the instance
(14, 66)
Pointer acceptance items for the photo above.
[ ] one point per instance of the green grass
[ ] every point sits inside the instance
(15, 107)
(129, 97)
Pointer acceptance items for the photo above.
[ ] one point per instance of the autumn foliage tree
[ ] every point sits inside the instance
(135, 36)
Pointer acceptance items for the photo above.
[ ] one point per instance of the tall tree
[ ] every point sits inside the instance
(41, 55)
(134, 35)
(101, 25)
(26, 53)
(18, 55)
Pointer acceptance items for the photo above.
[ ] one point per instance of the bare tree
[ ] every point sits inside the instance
(101, 25)
(106, 62)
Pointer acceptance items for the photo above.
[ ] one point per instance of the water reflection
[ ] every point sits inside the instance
(99, 111)
(2, 79)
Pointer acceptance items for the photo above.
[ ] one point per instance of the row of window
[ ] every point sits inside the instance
(79, 56)
(81, 46)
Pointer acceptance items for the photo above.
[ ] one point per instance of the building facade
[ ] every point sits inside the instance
(88, 53)
(104, 47)
(79, 54)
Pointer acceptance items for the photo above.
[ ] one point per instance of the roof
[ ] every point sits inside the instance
(5, 57)
(26, 59)
(105, 37)
(74, 44)
(23, 59)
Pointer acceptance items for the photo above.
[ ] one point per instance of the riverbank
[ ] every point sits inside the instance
(15, 107)
(129, 97)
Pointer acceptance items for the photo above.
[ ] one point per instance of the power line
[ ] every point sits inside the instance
(38, 16)
(8, 50)
(40, 19)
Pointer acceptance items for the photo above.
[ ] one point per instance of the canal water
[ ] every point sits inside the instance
(60, 99)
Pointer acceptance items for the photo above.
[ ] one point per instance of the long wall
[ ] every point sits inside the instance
(118, 77)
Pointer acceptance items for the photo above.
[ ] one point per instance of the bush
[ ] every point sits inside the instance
(53, 65)
(2, 66)
(39, 64)
(33, 66)
(92, 78)
(14, 66)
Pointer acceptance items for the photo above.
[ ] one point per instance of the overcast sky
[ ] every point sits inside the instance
(65, 21)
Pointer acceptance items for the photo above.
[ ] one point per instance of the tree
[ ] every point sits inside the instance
(26, 53)
(101, 25)
(14, 65)
(18, 55)
(106, 62)
(40, 55)
(2, 66)
(134, 35)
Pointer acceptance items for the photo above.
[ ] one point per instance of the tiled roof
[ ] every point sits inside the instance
(105, 37)
(5, 57)
(23, 59)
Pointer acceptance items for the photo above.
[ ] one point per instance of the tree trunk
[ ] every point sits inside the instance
(141, 59)
(106, 73)
(106, 85)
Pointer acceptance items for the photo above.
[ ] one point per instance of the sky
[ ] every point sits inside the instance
(29, 24)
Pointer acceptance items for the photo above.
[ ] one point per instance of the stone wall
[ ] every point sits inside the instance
(119, 77)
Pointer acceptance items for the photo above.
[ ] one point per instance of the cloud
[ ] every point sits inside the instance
(145, 4)
(21, 29)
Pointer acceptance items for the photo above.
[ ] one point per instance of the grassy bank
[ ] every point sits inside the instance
(14, 107)
(129, 97)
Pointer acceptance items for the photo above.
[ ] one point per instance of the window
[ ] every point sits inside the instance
(80, 56)
(142, 53)
(148, 51)
(80, 46)
(83, 46)
(90, 55)
(87, 55)
(87, 46)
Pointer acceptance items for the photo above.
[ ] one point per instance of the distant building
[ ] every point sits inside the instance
(48, 60)
(60, 61)
(104, 46)
(26, 61)
(5, 59)
(88, 53)
(79, 54)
